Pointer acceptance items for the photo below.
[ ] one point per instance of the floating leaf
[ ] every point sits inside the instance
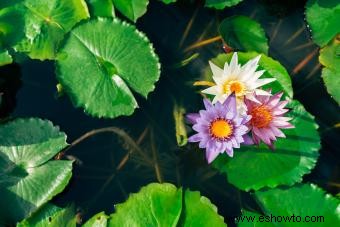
(168, 1)
(243, 33)
(28, 178)
(101, 8)
(221, 4)
(273, 69)
(114, 56)
(162, 205)
(51, 215)
(323, 17)
(98, 220)
(37, 27)
(132, 9)
(302, 200)
(181, 132)
(5, 58)
(330, 58)
(255, 167)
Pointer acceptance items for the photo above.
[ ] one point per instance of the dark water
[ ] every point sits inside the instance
(30, 91)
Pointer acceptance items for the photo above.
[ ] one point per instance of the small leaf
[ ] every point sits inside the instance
(243, 33)
(168, 1)
(51, 215)
(330, 58)
(221, 4)
(37, 27)
(5, 58)
(98, 220)
(114, 57)
(323, 17)
(181, 132)
(303, 200)
(132, 9)
(294, 156)
(273, 69)
(28, 178)
(101, 8)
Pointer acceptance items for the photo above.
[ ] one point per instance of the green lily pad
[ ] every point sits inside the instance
(132, 9)
(243, 33)
(51, 215)
(37, 27)
(323, 17)
(297, 203)
(114, 57)
(28, 178)
(168, 1)
(273, 69)
(101, 8)
(161, 205)
(98, 220)
(255, 167)
(221, 4)
(5, 58)
(330, 58)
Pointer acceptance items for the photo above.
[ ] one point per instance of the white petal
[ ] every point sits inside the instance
(262, 92)
(217, 71)
(261, 82)
(211, 90)
(252, 98)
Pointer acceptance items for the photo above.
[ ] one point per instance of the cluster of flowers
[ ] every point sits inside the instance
(240, 112)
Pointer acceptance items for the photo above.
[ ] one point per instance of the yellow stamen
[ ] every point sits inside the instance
(221, 129)
(261, 117)
(204, 83)
(234, 86)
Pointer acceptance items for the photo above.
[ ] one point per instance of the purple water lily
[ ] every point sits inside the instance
(219, 128)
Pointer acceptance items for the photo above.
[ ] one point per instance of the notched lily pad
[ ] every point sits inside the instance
(101, 61)
(28, 178)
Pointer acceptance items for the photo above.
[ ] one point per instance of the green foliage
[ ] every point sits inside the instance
(323, 17)
(330, 58)
(273, 69)
(257, 167)
(111, 65)
(221, 4)
(162, 205)
(101, 8)
(301, 200)
(5, 58)
(243, 33)
(168, 1)
(51, 215)
(37, 27)
(28, 178)
(181, 132)
(132, 9)
(98, 220)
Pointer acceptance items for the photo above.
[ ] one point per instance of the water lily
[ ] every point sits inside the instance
(242, 80)
(219, 127)
(267, 118)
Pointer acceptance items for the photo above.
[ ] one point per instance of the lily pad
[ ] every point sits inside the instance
(307, 203)
(273, 69)
(51, 215)
(37, 27)
(98, 220)
(114, 57)
(330, 58)
(245, 34)
(258, 167)
(221, 4)
(101, 8)
(132, 9)
(162, 205)
(323, 17)
(28, 178)
(5, 58)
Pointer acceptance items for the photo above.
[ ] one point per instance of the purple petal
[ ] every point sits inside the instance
(247, 140)
(195, 138)
(207, 104)
(192, 118)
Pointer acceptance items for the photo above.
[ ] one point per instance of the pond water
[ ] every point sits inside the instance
(30, 91)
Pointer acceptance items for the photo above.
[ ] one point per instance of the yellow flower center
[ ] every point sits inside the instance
(261, 117)
(234, 86)
(221, 129)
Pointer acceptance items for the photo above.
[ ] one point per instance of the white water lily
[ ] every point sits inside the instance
(242, 80)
